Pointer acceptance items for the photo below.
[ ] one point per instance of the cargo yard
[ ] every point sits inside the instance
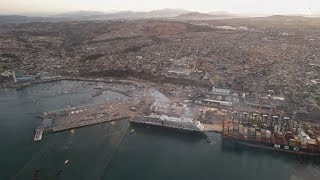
(273, 132)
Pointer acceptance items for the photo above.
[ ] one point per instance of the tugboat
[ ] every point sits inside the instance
(36, 175)
(60, 175)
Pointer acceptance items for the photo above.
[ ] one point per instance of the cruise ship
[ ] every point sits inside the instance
(171, 122)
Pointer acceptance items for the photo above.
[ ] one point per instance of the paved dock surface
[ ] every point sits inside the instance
(75, 117)
(213, 127)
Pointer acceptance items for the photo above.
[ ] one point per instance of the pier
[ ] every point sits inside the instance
(76, 117)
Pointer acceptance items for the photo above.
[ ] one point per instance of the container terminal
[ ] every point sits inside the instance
(271, 131)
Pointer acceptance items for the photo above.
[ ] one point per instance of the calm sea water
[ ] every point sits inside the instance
(108, 151)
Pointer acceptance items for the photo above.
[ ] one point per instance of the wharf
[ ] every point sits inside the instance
(213, 128)
(89, 115)
(76, 117)
(88, 123)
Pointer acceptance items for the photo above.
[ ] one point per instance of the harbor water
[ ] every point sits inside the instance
(109, 151)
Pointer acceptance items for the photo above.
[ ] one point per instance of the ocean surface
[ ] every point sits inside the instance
(108, 151)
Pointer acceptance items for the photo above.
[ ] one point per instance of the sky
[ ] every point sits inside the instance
(233, 6)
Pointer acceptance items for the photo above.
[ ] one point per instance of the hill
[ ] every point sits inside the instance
(202, 16)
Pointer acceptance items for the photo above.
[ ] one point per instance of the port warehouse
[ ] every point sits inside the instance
(279, 132)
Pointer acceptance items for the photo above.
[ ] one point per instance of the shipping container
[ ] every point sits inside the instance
(292, 142)
(268, 134)
(252, 131)
(241, 130)
(290, 125)
(236, 133)
(226, 133)
(312, 141)
(278, 135)
(297, 139)
(230, 133)
(303, 144)
(235, 129)
(258, 135)
(294, 130)
(246, 131)
(312, 144)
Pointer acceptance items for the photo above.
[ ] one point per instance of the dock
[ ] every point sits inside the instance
(81, 116)
(89, 115)
(88, 123)
(218, 128)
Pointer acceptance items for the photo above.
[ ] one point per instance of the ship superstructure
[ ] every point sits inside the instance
(173, 122)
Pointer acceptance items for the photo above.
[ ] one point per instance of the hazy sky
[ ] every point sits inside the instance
(235, 6)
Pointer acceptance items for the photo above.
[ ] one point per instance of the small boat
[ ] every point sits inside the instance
(38, 135)
(60, 175)
(36, 175)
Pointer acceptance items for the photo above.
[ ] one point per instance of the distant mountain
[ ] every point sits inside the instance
(16, 19)
(93, 15)
(197, 15)
(162, 13)
(220, 13)
(167, 12)
(286, 17)
(80, 13)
